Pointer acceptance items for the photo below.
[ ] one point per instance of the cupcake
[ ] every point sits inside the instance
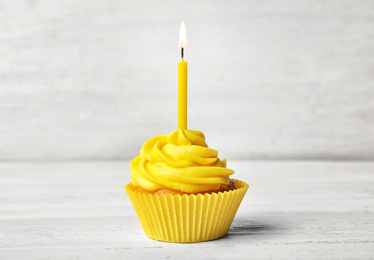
(180, 189)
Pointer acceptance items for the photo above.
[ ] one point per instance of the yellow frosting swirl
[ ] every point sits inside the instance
(179, 161)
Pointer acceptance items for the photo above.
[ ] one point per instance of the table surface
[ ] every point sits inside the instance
(292, 210)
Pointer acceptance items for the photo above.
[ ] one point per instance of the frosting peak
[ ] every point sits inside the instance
(179, 161)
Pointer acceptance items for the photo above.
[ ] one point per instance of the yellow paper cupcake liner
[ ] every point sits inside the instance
(187, 218)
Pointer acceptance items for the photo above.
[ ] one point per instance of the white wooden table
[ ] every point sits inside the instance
(293, 210)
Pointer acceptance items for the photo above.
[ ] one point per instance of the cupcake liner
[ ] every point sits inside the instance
(187, 218)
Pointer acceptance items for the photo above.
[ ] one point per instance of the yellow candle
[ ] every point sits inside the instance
(182, 81)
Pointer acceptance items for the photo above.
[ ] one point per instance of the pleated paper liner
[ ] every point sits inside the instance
(187, 218)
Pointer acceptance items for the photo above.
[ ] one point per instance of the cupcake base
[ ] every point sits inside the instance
(187, 218)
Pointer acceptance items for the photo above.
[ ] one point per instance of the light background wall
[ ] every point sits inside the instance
(267, 79)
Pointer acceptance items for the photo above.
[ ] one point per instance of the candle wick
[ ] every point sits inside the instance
(182, 53)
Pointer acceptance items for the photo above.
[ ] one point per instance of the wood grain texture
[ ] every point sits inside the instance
(267, 80)
(293, 210)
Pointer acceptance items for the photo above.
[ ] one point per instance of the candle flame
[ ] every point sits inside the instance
(182, 36)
